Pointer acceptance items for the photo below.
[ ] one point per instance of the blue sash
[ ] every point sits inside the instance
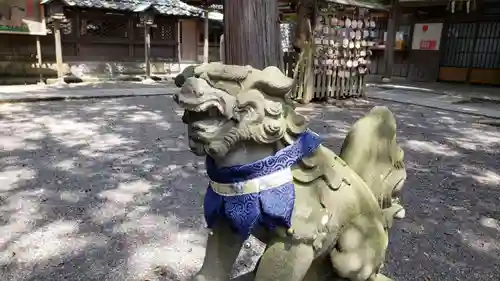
(261, 192)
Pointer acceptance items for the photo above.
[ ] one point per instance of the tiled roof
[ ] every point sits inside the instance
(164, 7)
(369, 4)
(216, 7)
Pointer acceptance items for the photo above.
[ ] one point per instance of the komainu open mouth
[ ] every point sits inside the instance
(210, 107)
(202, 117)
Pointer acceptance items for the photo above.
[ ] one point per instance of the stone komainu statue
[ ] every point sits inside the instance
(322, 216)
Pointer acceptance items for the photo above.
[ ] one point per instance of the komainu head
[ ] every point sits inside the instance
(226, 104)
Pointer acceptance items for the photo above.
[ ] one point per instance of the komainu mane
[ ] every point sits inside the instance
(323, 216)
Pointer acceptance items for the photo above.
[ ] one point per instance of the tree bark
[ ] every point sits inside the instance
(251, 33)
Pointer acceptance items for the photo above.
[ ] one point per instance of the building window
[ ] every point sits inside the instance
(164, 31)
(459, 45)
(105, 25)
(487, 48)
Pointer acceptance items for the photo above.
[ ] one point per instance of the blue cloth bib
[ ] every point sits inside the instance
(261, 192)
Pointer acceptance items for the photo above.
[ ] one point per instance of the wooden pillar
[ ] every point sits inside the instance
(222, 45)
(78, 28)
(58, 44)
(251, 33)
(131, 38)
(179, 41)
(222, 49)
(390, 40)
(39, 59)
(205, 35)
(147, 50)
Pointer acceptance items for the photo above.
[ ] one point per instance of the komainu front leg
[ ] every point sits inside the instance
(380, 277)
(285, 261)
(360, 250)
(376, 277)
(223, 247)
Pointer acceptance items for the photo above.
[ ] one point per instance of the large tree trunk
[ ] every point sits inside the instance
(252, 34)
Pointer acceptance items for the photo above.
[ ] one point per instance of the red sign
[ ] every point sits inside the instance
(428, 44)
(425, 27)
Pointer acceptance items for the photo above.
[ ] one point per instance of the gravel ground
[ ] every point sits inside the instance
(107, 190)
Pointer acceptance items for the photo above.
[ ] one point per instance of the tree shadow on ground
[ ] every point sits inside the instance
(108, 190)
(100, 190)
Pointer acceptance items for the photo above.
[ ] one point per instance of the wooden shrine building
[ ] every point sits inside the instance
(108, 39)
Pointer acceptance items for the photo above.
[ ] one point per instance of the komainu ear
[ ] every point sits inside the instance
(273, 82)
(217, 71)
(181, 78)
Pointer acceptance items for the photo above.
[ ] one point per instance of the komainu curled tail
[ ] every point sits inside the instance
(371, 150)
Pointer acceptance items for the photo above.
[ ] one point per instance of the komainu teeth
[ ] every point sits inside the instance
(207, 106)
